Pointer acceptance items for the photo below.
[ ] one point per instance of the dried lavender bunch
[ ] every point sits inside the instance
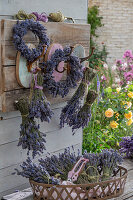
(127, 146)
(76, 74)
(39, 106)
(109, 159)
(74, 104)
(82, 118)
(51, 169)
(59, 166)
(36, 173)
(30, 136)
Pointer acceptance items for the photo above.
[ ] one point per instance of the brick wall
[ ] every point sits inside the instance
(117, 32)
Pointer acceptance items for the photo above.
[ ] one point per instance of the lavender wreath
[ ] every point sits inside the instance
(75, 73)
(21, 29)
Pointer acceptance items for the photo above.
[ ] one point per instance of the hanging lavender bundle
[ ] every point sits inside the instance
(39, 106)
(30, 136)
(82, 118)
(74, 105)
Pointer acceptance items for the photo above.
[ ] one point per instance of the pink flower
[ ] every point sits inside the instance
(103, 78)
(128, 75)
(128, 54)
(118, 62)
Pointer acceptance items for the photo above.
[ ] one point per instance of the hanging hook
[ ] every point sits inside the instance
(68, 66)
(86, 58)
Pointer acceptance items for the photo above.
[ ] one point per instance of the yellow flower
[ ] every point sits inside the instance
(129, 104)
(128, 115)
(113, 124)
(118, 89)
(130, 94)
(129, 122)
(109, 112)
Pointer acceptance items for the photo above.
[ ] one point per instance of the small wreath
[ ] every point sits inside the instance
(75, 72)
(21, 29)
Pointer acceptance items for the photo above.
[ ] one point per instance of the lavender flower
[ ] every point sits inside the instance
(21, 29)
(108, 162)
(50, 169)
(39, 106)
(36, 172)
(62, 87)
(82, 118)
(74, 104)
(127, 146)
(30, 136)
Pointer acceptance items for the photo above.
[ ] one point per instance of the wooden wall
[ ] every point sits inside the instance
(57, 139)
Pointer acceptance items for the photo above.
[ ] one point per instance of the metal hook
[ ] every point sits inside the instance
(86, 58)
(68, 66)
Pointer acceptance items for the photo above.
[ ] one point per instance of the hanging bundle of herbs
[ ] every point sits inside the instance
(39, 106)
(70, 111)
(30, 136)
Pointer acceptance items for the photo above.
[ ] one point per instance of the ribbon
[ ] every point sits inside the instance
(36, 85)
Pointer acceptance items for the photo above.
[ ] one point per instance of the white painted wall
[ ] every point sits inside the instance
(57, 139)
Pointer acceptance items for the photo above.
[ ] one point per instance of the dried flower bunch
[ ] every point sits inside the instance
(74, 114)
(30, 136)
(55, 169)
(39, 106)
(75, 74)
(21, 29)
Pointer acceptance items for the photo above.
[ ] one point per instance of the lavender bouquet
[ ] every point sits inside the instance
(108, 162)
(74, 104)
(30, 136)
(39, 106)
(49, 170)
(127, 146)
(36, 172)
(81, 118)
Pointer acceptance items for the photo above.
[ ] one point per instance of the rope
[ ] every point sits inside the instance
(22, 15)
(41, 17)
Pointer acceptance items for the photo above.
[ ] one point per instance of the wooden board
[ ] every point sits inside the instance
(63, 33)
(71, 8)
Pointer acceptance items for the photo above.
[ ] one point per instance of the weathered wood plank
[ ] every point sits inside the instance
(76, 8)
(10, 154)
(8, 98)
(63, 33)
(9, 129)
(0, 72)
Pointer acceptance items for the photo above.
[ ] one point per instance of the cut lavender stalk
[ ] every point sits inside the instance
(74, 104)
(82, 118)
(36, 173)
(30, 136)
(39, 106)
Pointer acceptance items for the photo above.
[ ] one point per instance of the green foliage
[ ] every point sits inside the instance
(100, 134)
(95, 21)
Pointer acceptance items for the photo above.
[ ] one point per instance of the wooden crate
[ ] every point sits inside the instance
(63, 33)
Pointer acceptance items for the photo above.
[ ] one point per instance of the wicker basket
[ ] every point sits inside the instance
(101, 190)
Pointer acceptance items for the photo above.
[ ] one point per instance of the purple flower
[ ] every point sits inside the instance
(118, 62)
(128, 54)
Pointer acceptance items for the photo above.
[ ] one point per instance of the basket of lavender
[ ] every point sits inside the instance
(72, 177)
